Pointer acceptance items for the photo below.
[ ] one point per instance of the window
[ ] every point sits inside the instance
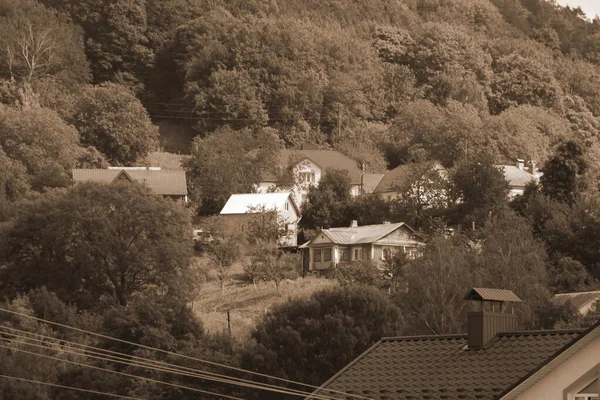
(316, 255)
(357, 254)
(306, 176)
(388, 253)
(287, 205)
(344, 254)
(590, 392)
(327, 254)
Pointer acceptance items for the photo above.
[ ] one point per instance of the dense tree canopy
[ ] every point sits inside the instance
(309, 340)
(92, 240)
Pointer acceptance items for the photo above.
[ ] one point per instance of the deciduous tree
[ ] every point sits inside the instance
(96, 240)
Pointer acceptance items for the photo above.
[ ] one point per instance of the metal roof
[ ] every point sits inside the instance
(578, 299)
(245, 202)
(517, 177)
(440, 367)
(363, 234)
(492, 294)
(164, 182)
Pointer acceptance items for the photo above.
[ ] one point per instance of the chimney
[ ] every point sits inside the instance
(521, 164)
(386, 222)
(354, 224)
(309, 146)
(533, 167)
(492, 314)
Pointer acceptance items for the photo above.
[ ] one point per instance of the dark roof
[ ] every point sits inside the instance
(165, 182)
(442, 367)
(399, 176)
(492, 294)
(326, 159)
(370, 182)
(578, 299)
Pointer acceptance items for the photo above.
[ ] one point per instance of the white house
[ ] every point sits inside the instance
(241, 208)
(518, 176)
(332, 246)
(309, 166)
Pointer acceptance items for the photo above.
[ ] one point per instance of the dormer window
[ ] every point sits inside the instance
(590, 392)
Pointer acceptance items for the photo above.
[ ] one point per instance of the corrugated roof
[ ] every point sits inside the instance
(442, 367)
(363, 234)
(370, 182)
(400, 176)
(323, 158)
(164, 182)
(492, 294)
(517, 177)
(244, 202)
(578, 299)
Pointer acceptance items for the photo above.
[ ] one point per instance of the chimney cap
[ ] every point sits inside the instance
(492, 295)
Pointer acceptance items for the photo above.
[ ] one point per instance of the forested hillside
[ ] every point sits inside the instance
(466, 83)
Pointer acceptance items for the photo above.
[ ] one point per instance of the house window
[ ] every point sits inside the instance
(306, 176)
(327, 254)
(388, 253)
(316, 255)
(344, 254)
(286, 206)
(357, 254)
(590, 392)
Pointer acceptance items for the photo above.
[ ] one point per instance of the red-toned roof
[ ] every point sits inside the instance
(169, 182)
(326, 159)
(442, 367)
(400, 176)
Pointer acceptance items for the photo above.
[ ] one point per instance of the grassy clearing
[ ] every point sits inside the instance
(246, 303)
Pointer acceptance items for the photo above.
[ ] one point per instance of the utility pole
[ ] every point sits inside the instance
(229, 323)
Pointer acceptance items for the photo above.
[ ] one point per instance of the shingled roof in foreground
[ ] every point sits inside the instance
(443, 367)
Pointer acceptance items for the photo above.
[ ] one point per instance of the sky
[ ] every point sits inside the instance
(590, 7)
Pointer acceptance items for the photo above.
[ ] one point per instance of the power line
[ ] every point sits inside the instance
(117, 372)
(69, 387)
(125, 359)
(178, 355)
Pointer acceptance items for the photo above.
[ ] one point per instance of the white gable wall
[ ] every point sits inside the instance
(554, 385)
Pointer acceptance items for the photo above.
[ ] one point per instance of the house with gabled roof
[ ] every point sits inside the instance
(426, 182)
(309, 166)
(169, 183)
(495, 360)
(332, 246)
(584, 302)
(518, 176)
(240, 210)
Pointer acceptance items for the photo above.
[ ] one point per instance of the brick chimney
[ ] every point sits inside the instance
(354, 224)
(492, 313)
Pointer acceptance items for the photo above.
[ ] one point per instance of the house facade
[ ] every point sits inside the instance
(370, 242)
(518, 176)
(495, 360)
(280, 209)
(169, 183)
(308, 166)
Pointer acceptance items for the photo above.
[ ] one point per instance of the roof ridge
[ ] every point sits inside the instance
(423, 337)
(567, 293)
(542, 332)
